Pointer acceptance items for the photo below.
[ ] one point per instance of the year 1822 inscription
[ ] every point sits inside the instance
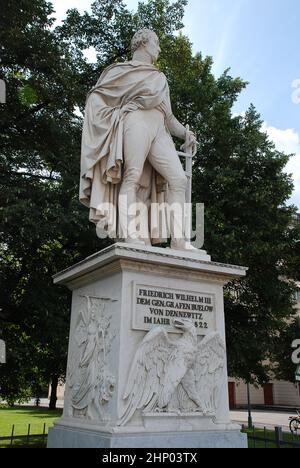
(160, 306)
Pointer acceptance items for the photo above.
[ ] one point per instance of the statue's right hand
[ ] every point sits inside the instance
(129, 107)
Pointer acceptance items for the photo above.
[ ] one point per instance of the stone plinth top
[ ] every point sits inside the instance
(189, 261)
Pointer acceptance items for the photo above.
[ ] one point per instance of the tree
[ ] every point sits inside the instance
(17, 386)
(239, 176)
(248, 222)
(44, 228)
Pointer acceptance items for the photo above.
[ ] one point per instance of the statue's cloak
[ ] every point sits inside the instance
(122, 88)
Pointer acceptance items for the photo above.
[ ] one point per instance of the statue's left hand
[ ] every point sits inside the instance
(191, 142)
(191, 138)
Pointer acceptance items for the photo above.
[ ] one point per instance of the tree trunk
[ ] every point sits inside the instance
(53, 397)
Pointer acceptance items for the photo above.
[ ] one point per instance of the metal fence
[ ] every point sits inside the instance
(257, 438)
(24, 441)
(264, 438)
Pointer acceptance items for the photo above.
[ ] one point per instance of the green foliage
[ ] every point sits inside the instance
(27, 95)
(44, 229)
(239, 176)
(16, 388)
(162, 16)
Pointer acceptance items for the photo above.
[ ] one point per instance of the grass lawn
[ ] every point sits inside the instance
(22, 416)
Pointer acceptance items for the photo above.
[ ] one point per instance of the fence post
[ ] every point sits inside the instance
(28, 434)
(279, 436)
(265, 437)
(44, 434)
(254, 438)
(12, 435)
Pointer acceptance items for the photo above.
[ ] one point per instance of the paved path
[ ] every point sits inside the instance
(268, 419)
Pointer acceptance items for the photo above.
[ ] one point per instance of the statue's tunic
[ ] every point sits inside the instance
(122, 88)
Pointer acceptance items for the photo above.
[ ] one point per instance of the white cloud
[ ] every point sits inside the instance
(288, 141)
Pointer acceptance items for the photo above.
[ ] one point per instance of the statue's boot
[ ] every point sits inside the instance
(176, 200)
(129, 221)
(182, 244)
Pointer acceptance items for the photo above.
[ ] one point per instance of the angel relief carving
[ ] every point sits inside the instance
(90, 381)
(183, 376)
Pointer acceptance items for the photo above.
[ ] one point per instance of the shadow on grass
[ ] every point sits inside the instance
(33, 442)
(33, 411)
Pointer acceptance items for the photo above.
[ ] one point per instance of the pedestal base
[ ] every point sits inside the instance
(124, 298)
(65, 437)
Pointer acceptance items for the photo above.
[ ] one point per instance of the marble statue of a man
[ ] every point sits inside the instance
(128, 155)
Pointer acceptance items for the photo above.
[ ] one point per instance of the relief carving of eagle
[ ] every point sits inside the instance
(183, 375)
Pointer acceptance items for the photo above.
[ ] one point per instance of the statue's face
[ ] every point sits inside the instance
(152, 47)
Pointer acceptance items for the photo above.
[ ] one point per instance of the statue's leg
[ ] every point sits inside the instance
(137, 143)
(165, 160)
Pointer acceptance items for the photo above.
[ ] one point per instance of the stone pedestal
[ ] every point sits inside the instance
(119, 295)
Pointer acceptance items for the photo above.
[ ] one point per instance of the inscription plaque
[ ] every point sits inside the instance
(155, 306)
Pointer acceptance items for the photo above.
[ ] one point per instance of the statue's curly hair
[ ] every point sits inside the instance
(141, 37)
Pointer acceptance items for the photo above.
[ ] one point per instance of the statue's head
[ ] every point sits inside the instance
(146, 41)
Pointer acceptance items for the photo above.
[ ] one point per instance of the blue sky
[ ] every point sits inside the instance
(260, 41)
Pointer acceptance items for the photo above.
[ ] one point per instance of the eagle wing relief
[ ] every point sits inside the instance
(147, 374)
(209, 371)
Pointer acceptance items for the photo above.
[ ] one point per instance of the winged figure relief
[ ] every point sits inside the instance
(183, 375)
(90, 381)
